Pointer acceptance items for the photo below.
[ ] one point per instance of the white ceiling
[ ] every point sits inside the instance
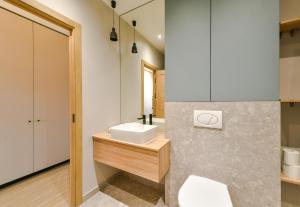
(150, 18)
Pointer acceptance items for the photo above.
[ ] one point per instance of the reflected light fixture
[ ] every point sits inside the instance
(134, 48)
(159, 36)
(113, 34)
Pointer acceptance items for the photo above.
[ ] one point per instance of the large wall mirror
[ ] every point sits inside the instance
(142, 45)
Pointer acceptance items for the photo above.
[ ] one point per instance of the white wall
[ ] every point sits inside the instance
(131, 70)
(101, 78)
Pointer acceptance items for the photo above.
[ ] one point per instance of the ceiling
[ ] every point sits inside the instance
(150, 18)
(126, 5)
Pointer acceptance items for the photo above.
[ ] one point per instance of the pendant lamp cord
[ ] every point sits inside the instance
(134, 34)
(113, 13)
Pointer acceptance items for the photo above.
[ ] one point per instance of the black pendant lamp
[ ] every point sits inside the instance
(134, 48)
(113, 34)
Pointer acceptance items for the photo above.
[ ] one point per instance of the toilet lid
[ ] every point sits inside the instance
(202, 192)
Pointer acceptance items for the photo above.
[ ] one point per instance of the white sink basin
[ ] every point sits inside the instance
(133, 132)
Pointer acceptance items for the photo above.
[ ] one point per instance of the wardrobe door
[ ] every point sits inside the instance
(51, 98)
(16, 97)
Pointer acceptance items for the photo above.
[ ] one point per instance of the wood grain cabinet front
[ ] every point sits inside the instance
(150, 161)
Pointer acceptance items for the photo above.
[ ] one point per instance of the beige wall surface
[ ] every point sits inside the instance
(289, 46)
(290, 128)
(290, 133)
(101, 78)
(131, 70)
(245, 154)
(290, 195)
(289, 9)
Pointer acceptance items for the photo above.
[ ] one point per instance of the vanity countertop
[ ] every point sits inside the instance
(154, 145)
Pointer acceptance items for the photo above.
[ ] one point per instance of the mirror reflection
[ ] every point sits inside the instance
(142, 63)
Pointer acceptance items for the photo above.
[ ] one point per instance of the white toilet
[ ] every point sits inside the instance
(203, 192)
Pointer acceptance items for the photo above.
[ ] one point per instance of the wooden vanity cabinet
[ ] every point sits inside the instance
(150, 161)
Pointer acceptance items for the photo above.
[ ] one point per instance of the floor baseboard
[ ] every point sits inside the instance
(89, 194)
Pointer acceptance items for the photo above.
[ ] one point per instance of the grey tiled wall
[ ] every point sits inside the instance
(245, 155)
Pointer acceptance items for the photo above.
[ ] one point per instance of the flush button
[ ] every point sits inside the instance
(208, 119)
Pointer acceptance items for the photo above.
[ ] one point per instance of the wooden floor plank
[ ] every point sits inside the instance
(49, 189)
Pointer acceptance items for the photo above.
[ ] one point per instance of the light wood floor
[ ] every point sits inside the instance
(49, 189)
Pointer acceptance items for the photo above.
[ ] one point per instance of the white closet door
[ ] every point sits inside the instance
(51, 98)
(16, 97)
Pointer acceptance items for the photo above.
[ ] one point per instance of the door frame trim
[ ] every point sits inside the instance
(75, 88)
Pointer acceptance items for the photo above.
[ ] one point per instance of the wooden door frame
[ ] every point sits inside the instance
(157, 73)
(149, 66)
(75, 88)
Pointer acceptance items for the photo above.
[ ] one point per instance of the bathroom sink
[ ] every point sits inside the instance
(136, 133)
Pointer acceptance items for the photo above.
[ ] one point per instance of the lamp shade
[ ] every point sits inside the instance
(113, 35)
(134, 48)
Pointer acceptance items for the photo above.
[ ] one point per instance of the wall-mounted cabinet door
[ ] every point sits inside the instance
(187, 50)
(51, 97)
(245, 50)
(16, 97)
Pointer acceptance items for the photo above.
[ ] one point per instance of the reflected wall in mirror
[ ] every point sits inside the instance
(142, 73)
